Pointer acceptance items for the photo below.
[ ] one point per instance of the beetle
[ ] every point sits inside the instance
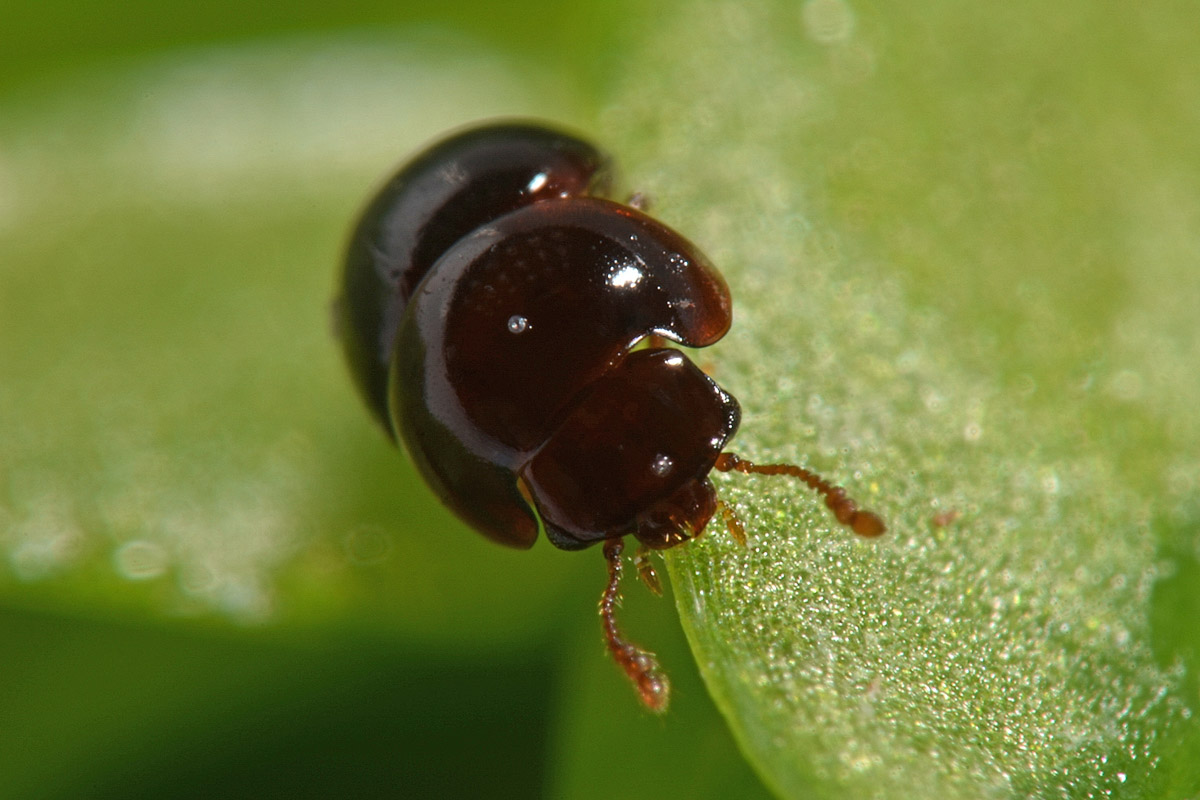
(509, 325)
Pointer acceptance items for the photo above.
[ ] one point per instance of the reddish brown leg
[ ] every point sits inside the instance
(861, 521)
(641, 667)
(646, 571)
(732, 522)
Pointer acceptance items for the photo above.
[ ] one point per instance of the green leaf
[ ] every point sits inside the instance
(202, 538)
(215, 575)
(962, 243)
(189, 444)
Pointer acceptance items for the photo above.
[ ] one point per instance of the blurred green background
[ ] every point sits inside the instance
(219, 580)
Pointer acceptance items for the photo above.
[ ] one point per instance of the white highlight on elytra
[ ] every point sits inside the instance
(537, 182)
(662, 464)
(626, 277)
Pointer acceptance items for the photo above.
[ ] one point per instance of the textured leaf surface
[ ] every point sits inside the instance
(962, 242)
(963, 245)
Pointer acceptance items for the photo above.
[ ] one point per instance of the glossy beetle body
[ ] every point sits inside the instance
(514, 363)
(491, 310)
(460, 184)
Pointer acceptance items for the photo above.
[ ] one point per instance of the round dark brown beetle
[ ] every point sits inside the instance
(491, 310)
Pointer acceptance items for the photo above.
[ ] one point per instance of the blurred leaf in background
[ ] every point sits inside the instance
(963, 248)
(218, 579)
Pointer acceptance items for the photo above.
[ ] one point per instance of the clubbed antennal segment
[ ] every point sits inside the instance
(640, 665)
(863, 522)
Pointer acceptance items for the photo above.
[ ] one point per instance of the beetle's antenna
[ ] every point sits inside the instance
(640, 665)
(863, 522)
